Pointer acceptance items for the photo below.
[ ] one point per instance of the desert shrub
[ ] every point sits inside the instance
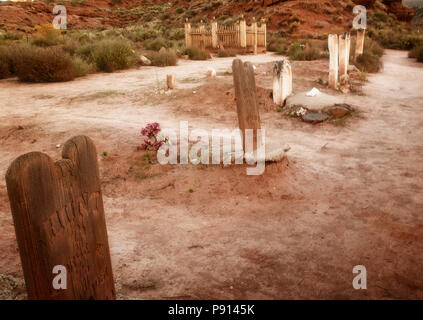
(11, 36)
(34, 64)
(81, 67)
(109, 55)
(196, 53)
(368, 62)
(301, 53)
(47, 36)
(5, 62)
(155, 44)
(163, 58)
(373, 47)
(225, 53)
(416, 53)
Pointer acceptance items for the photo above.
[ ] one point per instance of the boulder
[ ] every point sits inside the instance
(145, 61)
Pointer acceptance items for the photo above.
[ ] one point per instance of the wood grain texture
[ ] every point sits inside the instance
(246, 99)
(59, 219)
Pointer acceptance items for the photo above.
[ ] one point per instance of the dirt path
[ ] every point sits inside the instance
(349, 195)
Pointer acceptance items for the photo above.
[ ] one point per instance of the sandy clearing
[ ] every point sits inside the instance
(349, 195)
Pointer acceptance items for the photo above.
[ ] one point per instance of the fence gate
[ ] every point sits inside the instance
(252, 37)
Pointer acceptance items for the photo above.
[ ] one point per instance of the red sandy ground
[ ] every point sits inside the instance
(348, 195)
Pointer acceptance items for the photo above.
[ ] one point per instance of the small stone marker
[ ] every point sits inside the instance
(282, 81)
(333, 44)
(59, 220)
(171, 81)
(211, 73)
(246, 99)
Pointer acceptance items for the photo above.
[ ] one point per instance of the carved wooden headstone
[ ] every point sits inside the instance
(246, 99)
(59, 220)
(282, 81)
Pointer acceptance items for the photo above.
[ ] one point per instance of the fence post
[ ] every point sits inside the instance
(359, 45)
(59, 221)
(243, 32)
(255, 35)
(188, 38)
(333, 45)
(215, 39)
(265, 33)
(202, 42)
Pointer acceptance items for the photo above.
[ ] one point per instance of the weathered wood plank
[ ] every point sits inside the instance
(59, 219)
(246, 99)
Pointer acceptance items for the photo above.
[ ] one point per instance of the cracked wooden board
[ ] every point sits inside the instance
(59, 219)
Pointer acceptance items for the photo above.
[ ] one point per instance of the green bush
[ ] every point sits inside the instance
(34, 64)
(196, 53)
(109, 55)
(163, 58)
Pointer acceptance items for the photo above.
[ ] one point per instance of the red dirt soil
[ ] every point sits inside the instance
(347, 195)
(316, 17)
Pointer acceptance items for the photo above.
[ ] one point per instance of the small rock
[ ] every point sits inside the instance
(314, 117)
(145, 61)
(185, 57)
(58, 145)
(211, 73)
(340, 110)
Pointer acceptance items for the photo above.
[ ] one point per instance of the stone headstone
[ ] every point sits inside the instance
(282, 81)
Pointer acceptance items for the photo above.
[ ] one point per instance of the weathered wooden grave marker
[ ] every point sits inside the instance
(246, 99)
(59, 219)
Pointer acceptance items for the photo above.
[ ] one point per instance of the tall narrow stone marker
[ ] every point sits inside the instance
(359, 44)
(333, 44)
(282, 81)
(246, 99)
(59, 221)
(344, 53)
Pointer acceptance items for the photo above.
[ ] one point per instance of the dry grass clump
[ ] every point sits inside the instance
(196, 53)
(163, 58)
(370, 60)
(302, 53)
(5, 63)
(225, 53)
(416, 53)
(109, 55)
